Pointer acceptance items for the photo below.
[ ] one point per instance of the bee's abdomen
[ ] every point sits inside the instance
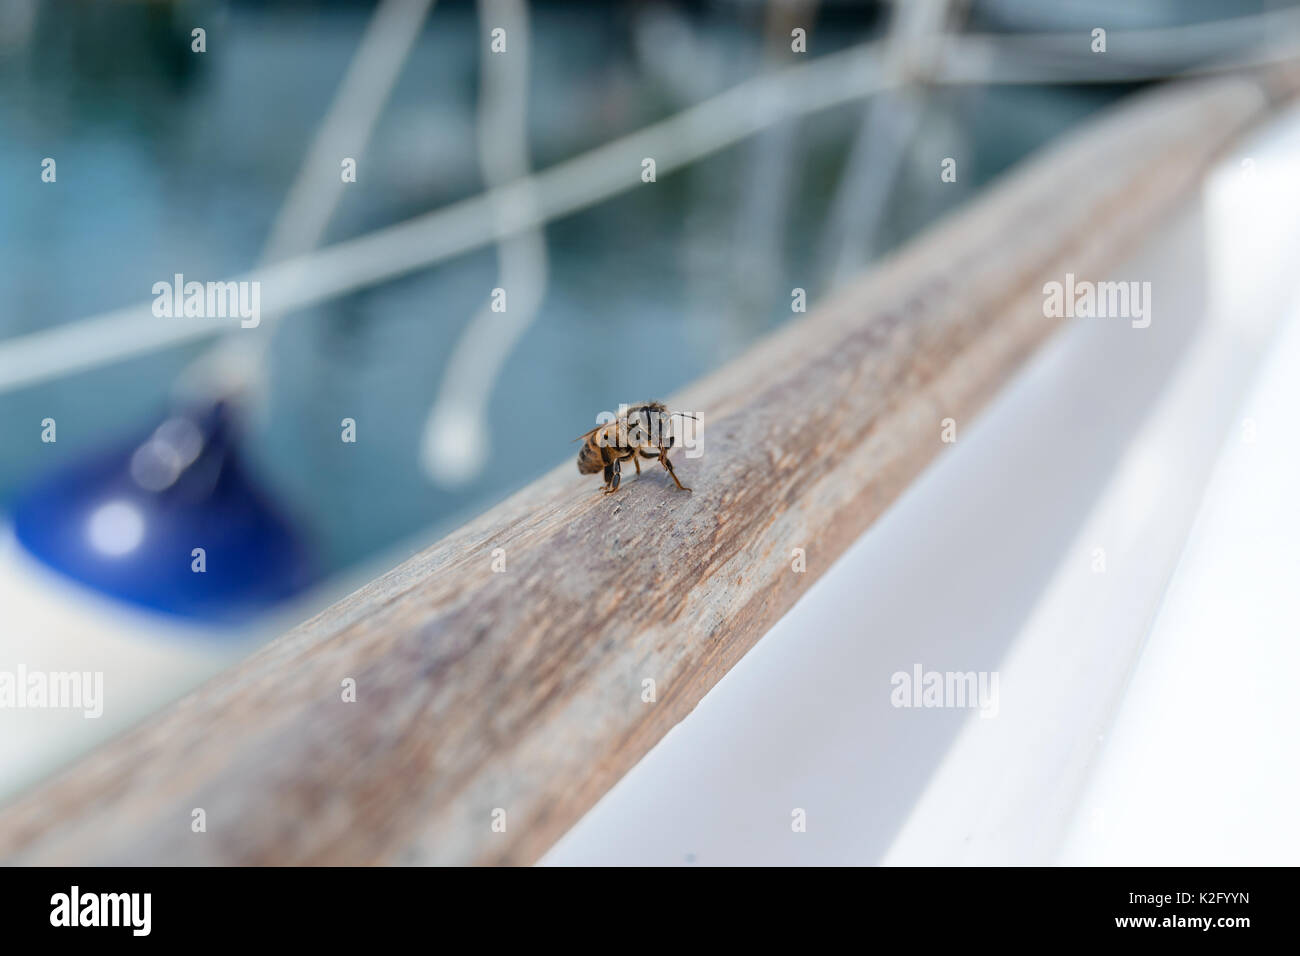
(590, 459)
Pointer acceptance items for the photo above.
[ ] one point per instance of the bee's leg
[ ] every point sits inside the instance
(663, 458)
(610, 458)
(636, 461)
(612, 471)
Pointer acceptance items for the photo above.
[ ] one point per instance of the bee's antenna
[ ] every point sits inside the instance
(684, 415)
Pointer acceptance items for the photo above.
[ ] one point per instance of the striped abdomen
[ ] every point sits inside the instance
(591, 458)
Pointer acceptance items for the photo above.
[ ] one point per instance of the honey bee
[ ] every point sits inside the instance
(643, 430)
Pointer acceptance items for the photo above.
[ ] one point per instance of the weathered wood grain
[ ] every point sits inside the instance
(522, 690)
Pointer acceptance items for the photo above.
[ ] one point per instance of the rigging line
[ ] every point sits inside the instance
(889, 124)
(238, 363)
(453, 445)
(575, 184)
(462, 226)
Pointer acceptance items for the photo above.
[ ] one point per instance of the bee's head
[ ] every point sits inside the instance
(649, 423)
(639, 420)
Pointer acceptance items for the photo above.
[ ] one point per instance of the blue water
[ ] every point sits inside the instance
(174, 162)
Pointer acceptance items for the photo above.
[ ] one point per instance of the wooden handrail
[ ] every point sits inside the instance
(479, 691)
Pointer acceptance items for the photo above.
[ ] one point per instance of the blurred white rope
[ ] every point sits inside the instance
(386, 253)
(346, 130)
(762, 216)
(237, 363)
(585, 180)
(889, 124)
(453, 447)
